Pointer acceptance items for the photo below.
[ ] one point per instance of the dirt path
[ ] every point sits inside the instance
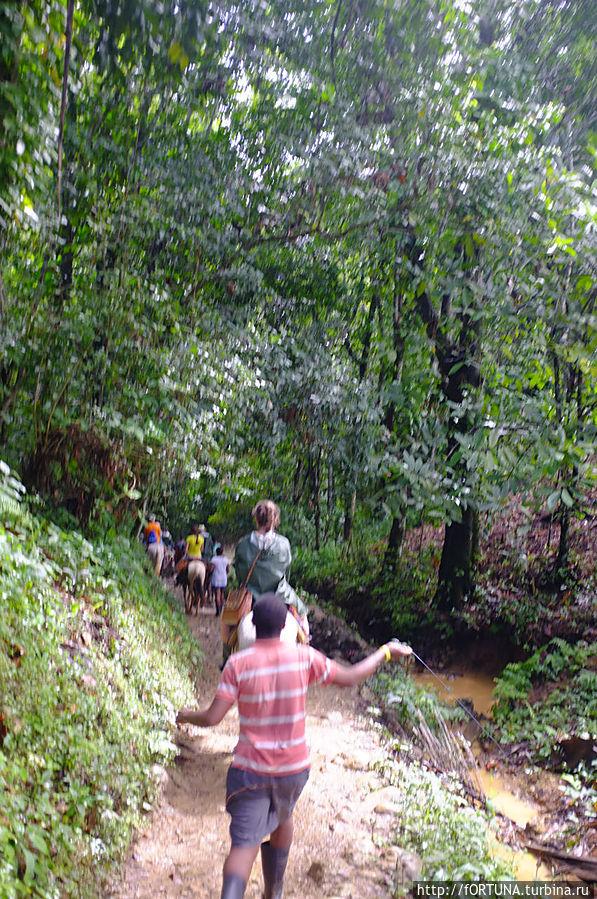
(342, 820)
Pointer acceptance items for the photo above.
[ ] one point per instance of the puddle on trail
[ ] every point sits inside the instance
(476, 687)
(503, 800)
(526, 867)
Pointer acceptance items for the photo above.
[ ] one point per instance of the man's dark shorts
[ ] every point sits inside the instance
(258, 803)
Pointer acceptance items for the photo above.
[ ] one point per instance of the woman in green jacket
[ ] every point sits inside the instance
(270, 571)
(270, 574)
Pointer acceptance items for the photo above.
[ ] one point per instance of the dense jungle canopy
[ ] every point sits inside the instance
(342, 253)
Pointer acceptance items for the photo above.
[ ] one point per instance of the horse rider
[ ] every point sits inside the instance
(152, 538)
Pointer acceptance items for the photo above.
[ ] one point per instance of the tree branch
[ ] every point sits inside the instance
(332, 44)
(68, 39)
(292, 237)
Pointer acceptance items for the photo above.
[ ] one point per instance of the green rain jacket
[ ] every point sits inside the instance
(271, 571)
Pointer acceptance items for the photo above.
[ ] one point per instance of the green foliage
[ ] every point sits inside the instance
(322, 566)
(450, 837)
(259, 284)
(87, 703)
(406, 701)
(11, 492)
(404, 595)
(232, 519)
(30, 34)
(550, 696)
(378, 599)
(580, 786)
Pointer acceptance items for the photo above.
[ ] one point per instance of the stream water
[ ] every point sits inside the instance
(505, 797)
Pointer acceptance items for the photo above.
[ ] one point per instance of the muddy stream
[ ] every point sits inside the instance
(507, 794)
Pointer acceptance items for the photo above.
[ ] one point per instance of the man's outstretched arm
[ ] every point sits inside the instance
(207, 717)
(351, 675)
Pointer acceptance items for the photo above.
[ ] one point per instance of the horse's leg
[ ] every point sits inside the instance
(209, 590)
(188, 595)
(199, 592)
(191, 593)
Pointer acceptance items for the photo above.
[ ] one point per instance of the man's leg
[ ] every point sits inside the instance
(281, 837)
(237, 869)
(274, 858)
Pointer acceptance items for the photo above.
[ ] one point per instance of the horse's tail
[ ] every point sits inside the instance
(198, 580)
(199, 588)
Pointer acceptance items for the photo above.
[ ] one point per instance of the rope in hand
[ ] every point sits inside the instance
(462, 705)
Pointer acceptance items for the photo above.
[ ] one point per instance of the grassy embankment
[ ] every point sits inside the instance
(95, 657)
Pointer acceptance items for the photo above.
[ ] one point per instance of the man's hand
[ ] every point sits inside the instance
(183, 717)
(398, 649)
(207, 717)
(351, 675)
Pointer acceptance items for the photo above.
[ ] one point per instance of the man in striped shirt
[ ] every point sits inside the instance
(270, 767)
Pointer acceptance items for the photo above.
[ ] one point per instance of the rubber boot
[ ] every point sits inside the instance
(273, 862)
(233, 887)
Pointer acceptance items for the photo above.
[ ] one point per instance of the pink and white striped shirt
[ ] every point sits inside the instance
(269, 681)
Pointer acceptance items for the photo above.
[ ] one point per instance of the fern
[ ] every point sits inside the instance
(11, 493)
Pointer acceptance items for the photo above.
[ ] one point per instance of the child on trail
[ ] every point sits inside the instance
(219, 577)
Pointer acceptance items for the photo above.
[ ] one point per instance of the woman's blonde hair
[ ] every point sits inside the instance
(267, 514)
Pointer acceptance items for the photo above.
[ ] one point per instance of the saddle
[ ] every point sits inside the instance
(239, 601)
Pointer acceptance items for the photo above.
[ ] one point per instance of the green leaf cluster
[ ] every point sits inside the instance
(343, 255)
(437, 823)
(552, 695)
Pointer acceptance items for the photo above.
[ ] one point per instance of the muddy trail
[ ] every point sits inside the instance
(343, 821)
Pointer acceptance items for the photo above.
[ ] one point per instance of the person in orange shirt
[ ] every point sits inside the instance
(153, 541)
(155, 527)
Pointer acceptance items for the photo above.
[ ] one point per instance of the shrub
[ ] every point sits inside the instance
(435, 821)
(566, 704)
(358, 588)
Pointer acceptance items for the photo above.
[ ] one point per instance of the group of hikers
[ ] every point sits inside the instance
(269, 681)
(199, 545)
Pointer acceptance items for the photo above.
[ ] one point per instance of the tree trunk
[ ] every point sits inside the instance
(315, 478)
(67, 47)
(9, 71)
(317, 499)
(349, 514)
(455, 579)
(562, 559)
(330, 499)
(296, 488)
(395, 541)
(460, 370)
